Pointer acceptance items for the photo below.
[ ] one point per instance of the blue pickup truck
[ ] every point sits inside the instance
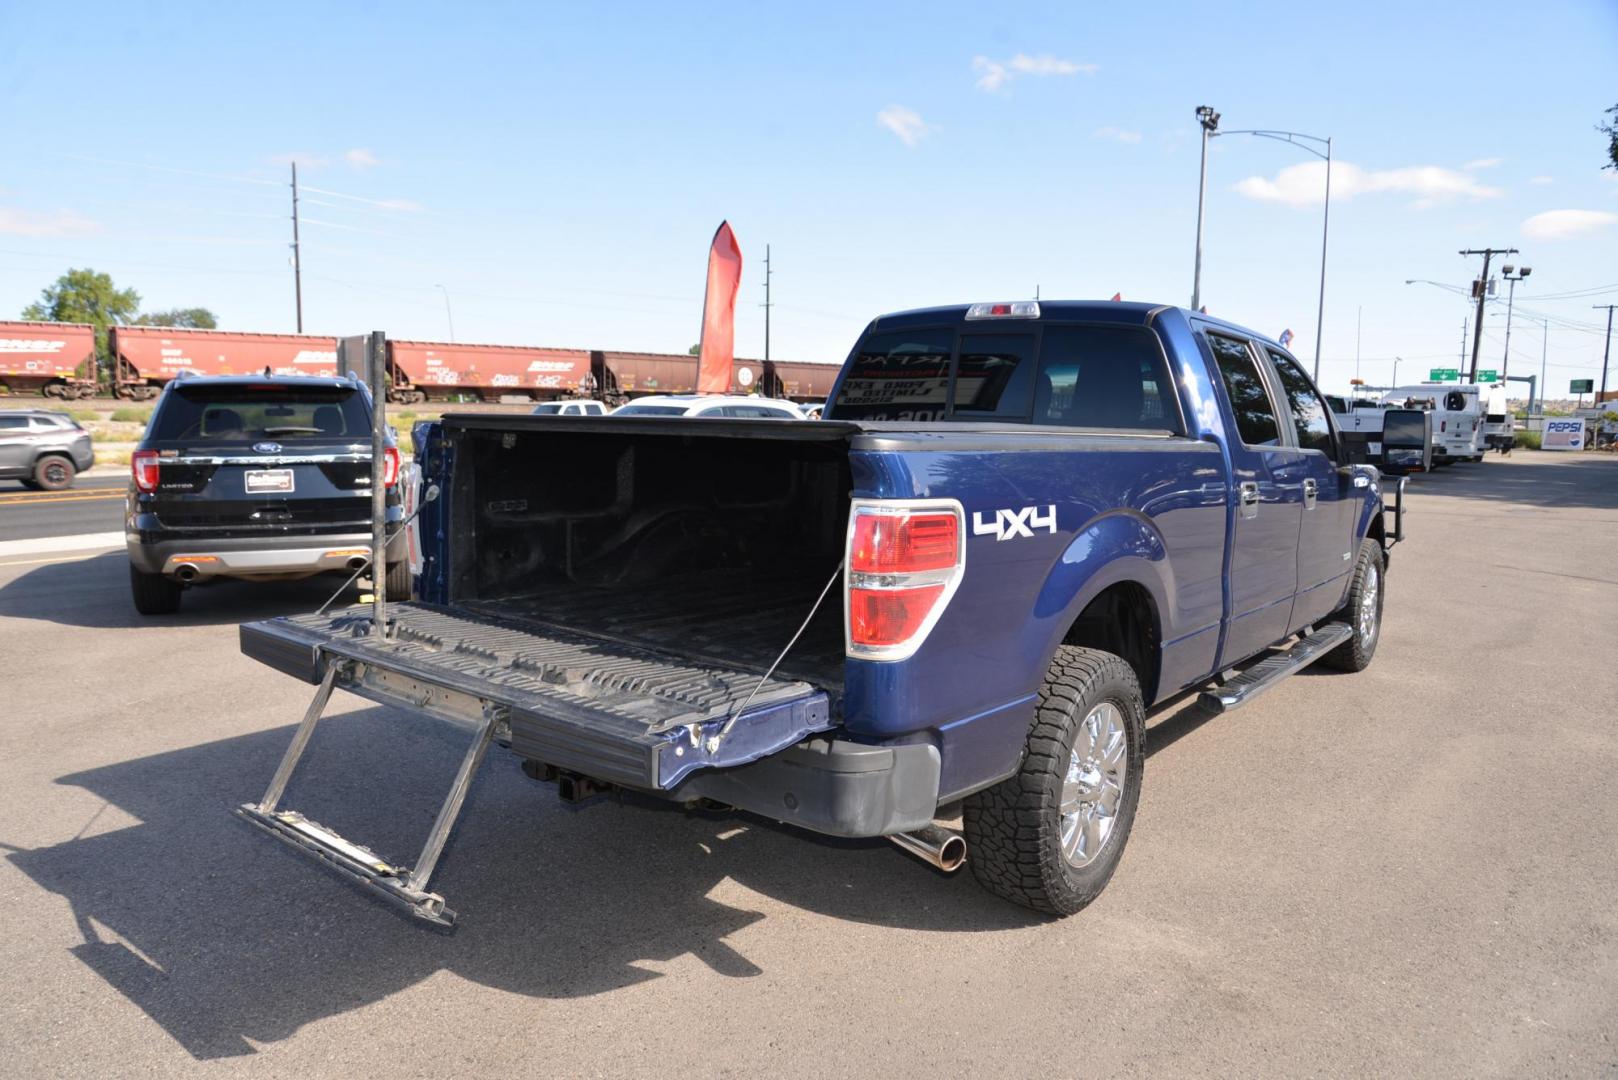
(1019, 527)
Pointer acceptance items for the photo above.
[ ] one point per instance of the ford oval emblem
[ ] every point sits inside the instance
(267, 448)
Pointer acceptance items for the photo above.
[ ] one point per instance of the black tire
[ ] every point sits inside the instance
(1369, 571)
(53, 472)
(29, 484)
(399, 581)
(1014, 830)
(154, 594)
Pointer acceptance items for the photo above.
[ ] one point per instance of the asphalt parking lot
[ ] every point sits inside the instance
(1407, 871)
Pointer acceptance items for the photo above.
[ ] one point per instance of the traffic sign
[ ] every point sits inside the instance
(1443, 374)
(1488, 376)
(1581, 386)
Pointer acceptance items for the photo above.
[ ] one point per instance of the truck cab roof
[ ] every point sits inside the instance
(1123, 312)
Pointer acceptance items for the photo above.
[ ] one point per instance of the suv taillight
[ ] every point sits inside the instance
(904, 561)
(390, 466)
(143, 467)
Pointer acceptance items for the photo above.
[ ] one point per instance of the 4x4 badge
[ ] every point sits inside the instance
(267, 447)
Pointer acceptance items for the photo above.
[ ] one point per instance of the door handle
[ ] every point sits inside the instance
(1310, 490)
(1249, 499)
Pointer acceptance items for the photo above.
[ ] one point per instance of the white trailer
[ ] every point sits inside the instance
(1457, 413)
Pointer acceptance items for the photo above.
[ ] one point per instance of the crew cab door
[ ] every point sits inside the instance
(1325, 537)
(1268, 504)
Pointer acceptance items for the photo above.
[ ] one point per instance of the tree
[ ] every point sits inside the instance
(85, 296)
(196, 318)
(1610, 130)
(695, 350)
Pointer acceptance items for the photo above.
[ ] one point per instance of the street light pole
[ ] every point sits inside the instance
(1210, 126)
(1482, 295)
(1325, 229)
(1511, 296)
(450, 315)
(1544, 351)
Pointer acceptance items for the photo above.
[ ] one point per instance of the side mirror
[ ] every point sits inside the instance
(1352, 449)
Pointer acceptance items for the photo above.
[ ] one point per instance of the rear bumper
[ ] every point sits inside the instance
(254, 556)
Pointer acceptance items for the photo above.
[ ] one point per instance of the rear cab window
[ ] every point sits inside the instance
(248, 413)
(1055, 374)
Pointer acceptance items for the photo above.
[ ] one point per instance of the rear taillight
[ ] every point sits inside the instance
(1443, 425)
(390, 466)
(143, 468)
(904, 561)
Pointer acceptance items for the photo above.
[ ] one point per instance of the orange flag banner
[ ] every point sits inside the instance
(719, 313)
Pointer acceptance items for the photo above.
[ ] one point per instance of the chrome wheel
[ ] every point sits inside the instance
(1370, 604)
(1093, 789)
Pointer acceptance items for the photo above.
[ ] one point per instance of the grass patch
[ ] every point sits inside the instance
(1527, 440)
(131, 416)
(112, 457)
(84, 414)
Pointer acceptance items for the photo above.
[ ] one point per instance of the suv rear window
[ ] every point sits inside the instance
(247, 413)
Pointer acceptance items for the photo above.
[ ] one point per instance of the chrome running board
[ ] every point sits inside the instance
(1252, 682)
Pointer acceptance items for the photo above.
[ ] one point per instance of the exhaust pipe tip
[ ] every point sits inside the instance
(358, 562)
(935, 845)
(186, 572)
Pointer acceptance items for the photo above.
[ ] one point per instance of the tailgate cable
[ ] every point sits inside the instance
(730, 721)
(426, 497)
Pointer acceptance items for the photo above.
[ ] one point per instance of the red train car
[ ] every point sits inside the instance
(146, 357)
(628, 374)
(54, 359)
(430, 369)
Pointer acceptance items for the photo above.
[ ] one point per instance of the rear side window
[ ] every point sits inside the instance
(249, 413)
(1104, 377)
(652, 410)
(1249, 398)
(897, 375)
(1308, 415)
(13, 423)
(548, 410)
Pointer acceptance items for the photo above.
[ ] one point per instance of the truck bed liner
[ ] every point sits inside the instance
(618, 712)
(736, 619)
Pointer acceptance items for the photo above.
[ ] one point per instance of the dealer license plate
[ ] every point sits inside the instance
(269, 481)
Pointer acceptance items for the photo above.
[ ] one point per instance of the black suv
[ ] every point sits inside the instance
(43, 449)
(256, 477)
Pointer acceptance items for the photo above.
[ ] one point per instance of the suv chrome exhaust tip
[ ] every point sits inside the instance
(186, 572)
(358, 562)
(934, 845)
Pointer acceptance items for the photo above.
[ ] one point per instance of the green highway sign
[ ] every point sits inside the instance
(1582, 386)
(1488, 376)
(1443, 374)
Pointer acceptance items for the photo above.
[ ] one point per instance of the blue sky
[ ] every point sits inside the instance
(560, 169)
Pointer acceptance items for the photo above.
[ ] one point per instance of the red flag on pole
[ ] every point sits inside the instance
(1117, 296)
(719, 313)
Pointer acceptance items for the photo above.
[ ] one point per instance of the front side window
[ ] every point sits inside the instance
(1308, 415)
(1249, 397)
(1103, 377)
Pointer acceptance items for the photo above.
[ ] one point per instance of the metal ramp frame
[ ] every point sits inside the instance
(401, 885)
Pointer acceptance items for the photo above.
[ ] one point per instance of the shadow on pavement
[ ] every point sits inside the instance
(1534, 478)
(94, 593)
(221, 935)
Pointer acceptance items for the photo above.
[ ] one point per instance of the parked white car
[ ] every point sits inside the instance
(734, 408)
(571, 408)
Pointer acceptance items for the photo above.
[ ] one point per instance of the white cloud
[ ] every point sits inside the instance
(360, 158)
(35, 223)
(1560, 224)
(1541, 181)
(994, 74)
(1482, 163)
(905, 123)
(1116, 135)
(1304, 185)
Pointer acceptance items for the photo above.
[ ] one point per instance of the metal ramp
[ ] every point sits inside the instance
(602, 709)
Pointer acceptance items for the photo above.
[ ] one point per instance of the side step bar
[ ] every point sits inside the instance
(1271, 670)
(401, 885)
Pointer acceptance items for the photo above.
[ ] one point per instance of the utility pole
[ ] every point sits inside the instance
(1483, 294)
(1210, 124)
(1544, 351)
(1606, 353)
(297, 256)
(767, 304)
(1463, 344)
(1359, 312)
